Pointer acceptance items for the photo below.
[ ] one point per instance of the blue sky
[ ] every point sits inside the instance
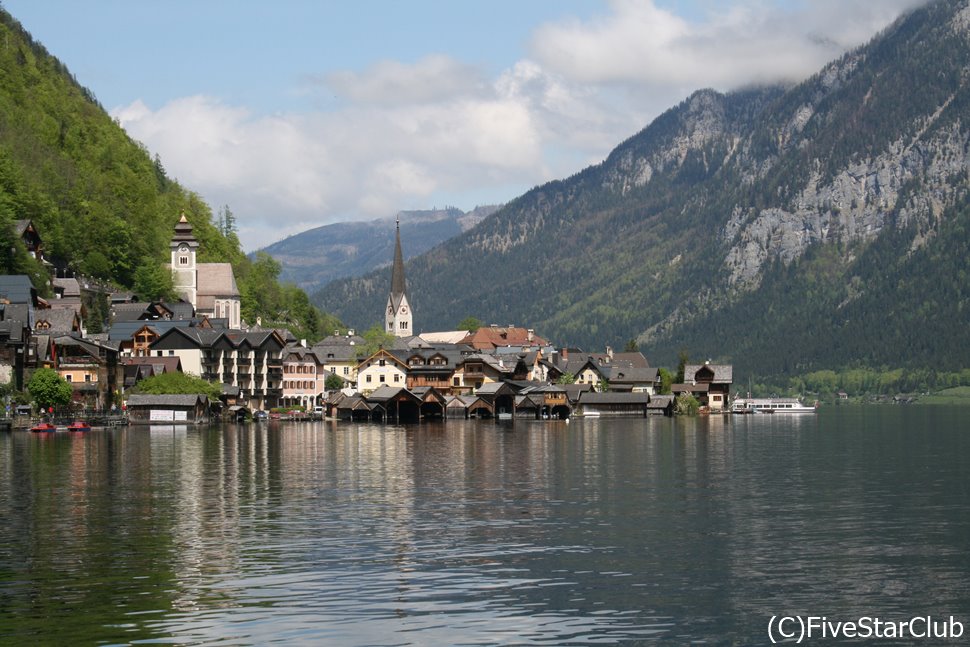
(299, 113)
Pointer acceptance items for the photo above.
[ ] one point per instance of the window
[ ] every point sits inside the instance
(346, 370)
(87, 377)
(404, 325)
(382, 362)
(382, 378)
(457, 381)
(397, 378)
(171, 353)
(183, 260)
(368, 379)
(69, 377)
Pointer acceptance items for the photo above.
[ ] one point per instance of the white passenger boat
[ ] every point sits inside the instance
(771, 405)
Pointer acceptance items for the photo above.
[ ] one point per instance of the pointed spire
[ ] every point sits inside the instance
(398, 284)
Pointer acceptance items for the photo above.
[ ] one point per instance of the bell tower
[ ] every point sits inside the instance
(184, 274)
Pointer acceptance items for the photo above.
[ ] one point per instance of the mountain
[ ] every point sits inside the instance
(315, 257)
(782, 229)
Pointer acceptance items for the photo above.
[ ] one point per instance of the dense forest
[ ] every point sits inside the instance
(785, 230)
(106, 208)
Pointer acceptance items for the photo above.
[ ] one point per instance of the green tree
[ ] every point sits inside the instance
(631, 346)
(471, 324)
(178, 383)
(686, 404)
(333, 382)
(666, 379)
(375, 338)
(153, 282)
(682, 359)
(48, 389)
(566, 378)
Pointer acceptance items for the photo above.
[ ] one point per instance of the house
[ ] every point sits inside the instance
(91, 368)
(605, 371)
(433, 367)
(381, 369)
(302, 372)
(631, 379)
(18, 305)
(251, 361)
(134, 338)
(27, 232)
(337, 355)
(478, 369)
(135, 369)
(717, 378)
(167, 409)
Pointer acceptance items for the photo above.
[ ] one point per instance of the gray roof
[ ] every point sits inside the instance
(17, 288)
(723, 373)
(215, 280)
(124, 330)
(660, 401)
(68, 286)
(60, 320)
(631, 374)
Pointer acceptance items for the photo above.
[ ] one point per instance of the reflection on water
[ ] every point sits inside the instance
(598, 531)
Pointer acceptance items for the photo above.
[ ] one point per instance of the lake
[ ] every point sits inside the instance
(628, 531)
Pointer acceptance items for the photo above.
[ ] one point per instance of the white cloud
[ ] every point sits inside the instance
(407, 135)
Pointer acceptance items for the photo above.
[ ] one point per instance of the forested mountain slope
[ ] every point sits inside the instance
(103, 205)
(781, 229)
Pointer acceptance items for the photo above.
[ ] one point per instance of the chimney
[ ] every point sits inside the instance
(303, 343)
(565, 354)
(530, 333)
(350, 332)
(336, 333)
(609, 353)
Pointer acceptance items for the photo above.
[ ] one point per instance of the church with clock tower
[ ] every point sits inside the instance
(398, 321)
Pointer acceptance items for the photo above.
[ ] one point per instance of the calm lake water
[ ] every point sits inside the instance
(650, 531)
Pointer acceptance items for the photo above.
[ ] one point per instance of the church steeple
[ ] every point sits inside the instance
(398, 284)
(398, 317)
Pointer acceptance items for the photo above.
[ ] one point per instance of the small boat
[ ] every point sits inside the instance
(79, 425)
(43, 427)
(771, 405)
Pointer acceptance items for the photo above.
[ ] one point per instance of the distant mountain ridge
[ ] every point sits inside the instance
(781, 229)
(317, 256)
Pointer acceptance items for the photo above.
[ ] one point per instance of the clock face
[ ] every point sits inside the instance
(183, 248)
(390, 310)
(404, 310)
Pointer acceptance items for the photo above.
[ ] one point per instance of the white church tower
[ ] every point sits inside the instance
(398, 312)
(184, 275)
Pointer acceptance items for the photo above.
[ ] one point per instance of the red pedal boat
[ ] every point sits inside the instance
(79, 425)
(43, 427)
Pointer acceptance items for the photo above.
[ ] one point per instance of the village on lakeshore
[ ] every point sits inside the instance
(493, 372)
